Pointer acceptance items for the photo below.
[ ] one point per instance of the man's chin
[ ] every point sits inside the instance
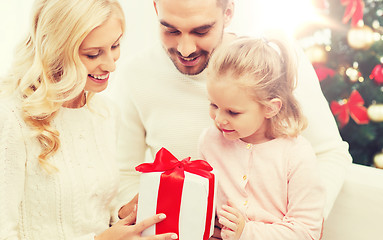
(190, 70)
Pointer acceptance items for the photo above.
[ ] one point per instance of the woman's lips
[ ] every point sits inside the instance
(99, 78)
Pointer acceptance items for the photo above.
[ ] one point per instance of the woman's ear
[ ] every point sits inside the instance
(273, 108)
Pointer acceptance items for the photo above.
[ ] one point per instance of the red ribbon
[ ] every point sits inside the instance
(352, 107)
(377, 74)
(323, 72)
(171, 185)
(354, 11)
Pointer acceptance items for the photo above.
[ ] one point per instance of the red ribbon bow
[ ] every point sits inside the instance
(322, 71)
(171, 184)
(377, 74)
(352, 107)
(354, 11)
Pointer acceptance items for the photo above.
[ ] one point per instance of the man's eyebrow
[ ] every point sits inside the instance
(166, 24)
(204, 27)
(200, 28)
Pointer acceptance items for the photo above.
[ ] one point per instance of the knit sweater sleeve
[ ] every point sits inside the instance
(12, 170)
(322, 131)
(131, 147)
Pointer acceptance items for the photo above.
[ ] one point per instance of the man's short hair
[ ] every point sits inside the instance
(220, 3)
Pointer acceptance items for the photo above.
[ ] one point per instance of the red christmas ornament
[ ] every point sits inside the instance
(322, 71)
(352, 107)
(354, 11)
(377, 74)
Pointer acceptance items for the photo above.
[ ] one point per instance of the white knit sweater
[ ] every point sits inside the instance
(75, 202)
(161, 107)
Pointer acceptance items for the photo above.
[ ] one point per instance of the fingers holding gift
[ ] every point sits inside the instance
(229, 218)
(228, 234)
(232, 221)
(141, 226)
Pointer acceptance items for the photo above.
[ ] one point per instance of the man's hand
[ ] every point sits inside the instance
(128, 208)
(217, 230)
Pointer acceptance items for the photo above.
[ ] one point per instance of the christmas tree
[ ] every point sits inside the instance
(347, 53)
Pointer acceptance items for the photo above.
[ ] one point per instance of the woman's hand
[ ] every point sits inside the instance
(232, 222)
(124, 230)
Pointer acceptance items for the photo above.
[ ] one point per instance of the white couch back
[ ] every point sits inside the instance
(358, 211)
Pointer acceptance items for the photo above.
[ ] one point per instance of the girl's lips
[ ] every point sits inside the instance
(189, 63)
(227, 131)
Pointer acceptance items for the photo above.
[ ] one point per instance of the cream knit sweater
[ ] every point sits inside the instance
(75, 202)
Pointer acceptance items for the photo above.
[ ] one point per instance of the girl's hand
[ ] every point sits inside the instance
(123, 230)
(232, 222)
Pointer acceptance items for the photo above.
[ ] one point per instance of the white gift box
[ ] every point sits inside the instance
(193, 209)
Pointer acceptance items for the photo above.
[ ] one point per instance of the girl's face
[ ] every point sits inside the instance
(99, 52)
(235, 112)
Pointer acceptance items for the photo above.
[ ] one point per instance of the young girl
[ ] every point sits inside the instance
(269, 185)
(58, 175)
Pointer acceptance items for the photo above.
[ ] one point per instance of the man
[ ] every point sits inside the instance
(164, 103)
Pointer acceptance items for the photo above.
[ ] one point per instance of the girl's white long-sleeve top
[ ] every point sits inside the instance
(76, 201)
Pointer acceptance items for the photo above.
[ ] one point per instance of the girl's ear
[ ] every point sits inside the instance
(273, 108)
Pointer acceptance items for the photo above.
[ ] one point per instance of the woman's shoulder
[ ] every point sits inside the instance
(104, 105)
(10, 107)
(11, 119)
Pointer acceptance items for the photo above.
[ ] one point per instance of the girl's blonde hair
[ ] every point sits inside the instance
(267, 69)
(47, 70)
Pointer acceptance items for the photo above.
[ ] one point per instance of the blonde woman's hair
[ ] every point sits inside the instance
(267, 69)
(47, 70)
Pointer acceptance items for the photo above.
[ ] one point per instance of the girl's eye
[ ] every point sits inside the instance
(212, 105)
(115, 46)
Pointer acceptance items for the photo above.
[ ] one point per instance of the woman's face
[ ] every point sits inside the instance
(99, 52)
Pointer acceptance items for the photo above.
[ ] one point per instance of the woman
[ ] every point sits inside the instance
(57, 141)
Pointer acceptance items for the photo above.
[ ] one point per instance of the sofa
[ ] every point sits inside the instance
(357, 213)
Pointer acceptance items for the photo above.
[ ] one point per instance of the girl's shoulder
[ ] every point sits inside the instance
(294, 142)
(211, 134)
